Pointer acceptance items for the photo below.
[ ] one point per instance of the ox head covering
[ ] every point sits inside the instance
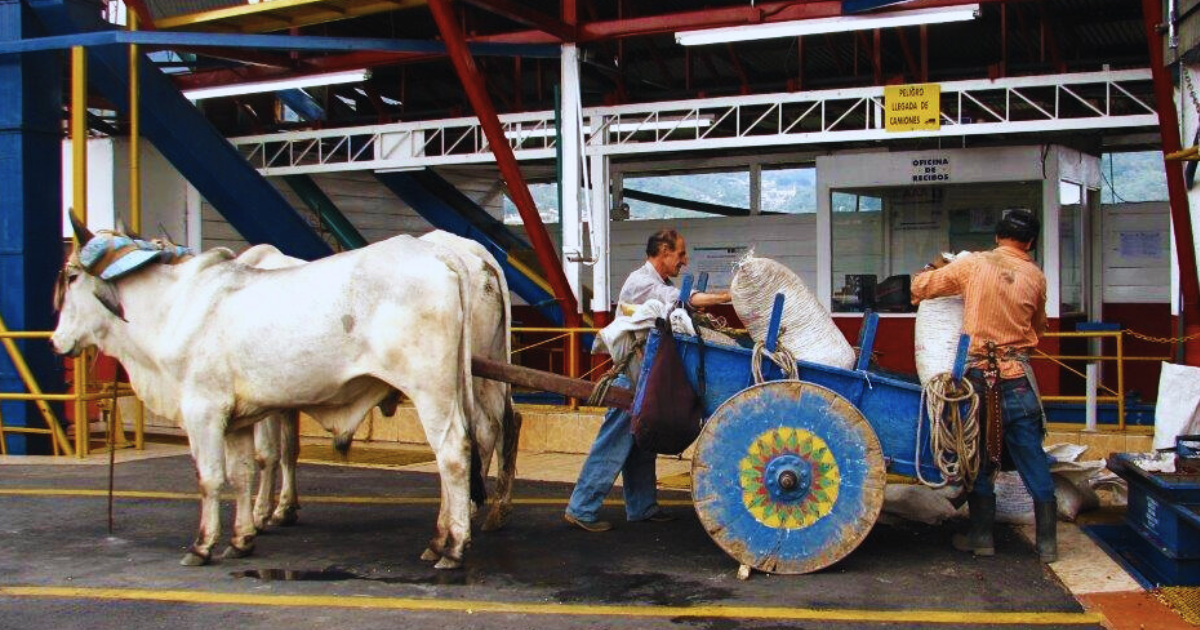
(110, 255)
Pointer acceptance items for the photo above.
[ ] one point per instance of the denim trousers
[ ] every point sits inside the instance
(614, 451)
(1022, 438)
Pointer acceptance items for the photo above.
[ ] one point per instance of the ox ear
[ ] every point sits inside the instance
(82, 234)
(106, 292)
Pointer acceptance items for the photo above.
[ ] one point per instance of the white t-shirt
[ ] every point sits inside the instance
(644, 284)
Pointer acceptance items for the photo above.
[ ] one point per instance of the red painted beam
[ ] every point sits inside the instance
(525, 16)
(473, 84)
(1168, 125)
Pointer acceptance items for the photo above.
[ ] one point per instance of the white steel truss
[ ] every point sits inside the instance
(1049, 103)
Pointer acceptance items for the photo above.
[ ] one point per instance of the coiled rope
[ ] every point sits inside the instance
(953, 438)
(780, 357)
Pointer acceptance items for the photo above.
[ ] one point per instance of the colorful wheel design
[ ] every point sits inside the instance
(788, 477)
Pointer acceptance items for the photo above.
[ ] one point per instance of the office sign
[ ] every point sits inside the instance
(912, 107)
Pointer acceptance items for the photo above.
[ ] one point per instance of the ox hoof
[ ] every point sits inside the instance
(234, 552)
(284, 519)
(193, 559)
(429, 555)
(448, 563)
(261, 523)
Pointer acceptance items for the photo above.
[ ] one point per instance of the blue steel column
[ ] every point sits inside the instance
(30, 206)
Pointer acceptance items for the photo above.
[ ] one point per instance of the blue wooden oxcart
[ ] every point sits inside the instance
(788, 475)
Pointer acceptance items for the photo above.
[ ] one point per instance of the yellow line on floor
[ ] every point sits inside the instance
(146, 494)
(534, 608)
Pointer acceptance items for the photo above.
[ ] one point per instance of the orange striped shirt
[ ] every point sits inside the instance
(1004, 300)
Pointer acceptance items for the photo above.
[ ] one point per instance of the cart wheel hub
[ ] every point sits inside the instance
(788, 478)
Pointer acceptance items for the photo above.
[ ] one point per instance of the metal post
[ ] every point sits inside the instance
(1168, 124)
(79, 207)
(135, 198)
(1120, 381)
(1090, 405)
(464, 65)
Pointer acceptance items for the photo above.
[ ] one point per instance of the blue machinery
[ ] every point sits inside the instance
(1162, 541)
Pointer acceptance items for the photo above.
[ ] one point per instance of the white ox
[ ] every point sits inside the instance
(216, 345)
(493, 427)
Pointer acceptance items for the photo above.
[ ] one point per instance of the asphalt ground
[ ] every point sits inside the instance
(353, 562)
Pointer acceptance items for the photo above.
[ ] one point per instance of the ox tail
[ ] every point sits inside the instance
(467, 390)
(342, 442)
(478, 488)
(510, 434)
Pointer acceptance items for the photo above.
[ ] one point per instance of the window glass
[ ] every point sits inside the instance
(545, 197)
(729, 190)
(881, 237)
(1133, 177)
(1070, 247)
(789, 190)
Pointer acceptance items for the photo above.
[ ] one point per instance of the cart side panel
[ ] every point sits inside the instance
(891, 406)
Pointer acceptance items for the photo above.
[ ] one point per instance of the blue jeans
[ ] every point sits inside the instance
(1022, 439)
(614, 451)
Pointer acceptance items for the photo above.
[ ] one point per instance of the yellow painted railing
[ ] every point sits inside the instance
(1115, 395)
(83, 394)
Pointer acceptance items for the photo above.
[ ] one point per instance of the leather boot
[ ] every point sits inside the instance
(978, 538)
(1046, 515)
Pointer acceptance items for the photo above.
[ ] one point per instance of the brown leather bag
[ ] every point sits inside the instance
(668, 418)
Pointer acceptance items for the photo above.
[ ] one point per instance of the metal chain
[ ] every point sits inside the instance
(1153, 339)
(1191, 90)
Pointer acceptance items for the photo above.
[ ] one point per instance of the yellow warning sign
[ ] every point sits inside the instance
(912, 107)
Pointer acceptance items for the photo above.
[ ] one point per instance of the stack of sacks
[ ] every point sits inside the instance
(808, 331)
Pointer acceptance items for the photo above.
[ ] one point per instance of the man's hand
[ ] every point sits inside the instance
(938, 262)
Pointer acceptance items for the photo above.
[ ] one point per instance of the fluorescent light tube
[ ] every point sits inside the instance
(819, 26)
(275, 85)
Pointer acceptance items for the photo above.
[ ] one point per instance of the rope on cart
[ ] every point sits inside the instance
(600, 391)
(780, 357)
(953, 438)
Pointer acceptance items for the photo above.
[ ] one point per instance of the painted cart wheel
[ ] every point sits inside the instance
(788, 477)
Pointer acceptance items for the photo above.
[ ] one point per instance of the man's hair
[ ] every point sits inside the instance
(665, 238)
(1019, 225)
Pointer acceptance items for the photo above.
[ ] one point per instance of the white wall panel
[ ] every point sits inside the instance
(1133, 273)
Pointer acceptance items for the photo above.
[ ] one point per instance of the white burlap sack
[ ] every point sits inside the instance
(1178, 409)
(935, 335)
(808, 331)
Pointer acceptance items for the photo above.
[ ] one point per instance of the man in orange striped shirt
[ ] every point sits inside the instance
(1004, 307)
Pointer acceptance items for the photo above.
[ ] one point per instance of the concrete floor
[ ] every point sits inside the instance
(354, 563)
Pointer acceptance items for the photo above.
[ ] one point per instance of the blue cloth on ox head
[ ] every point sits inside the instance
(139, 254)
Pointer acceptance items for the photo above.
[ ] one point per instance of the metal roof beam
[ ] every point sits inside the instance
(268, 42)
(527, 17)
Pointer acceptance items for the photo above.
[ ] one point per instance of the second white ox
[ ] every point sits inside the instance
(494, 427)
(216, 345)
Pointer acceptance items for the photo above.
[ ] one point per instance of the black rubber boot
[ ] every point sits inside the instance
(1046, 514)
(978, 539)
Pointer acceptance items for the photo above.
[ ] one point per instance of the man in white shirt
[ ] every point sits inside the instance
(614, 450)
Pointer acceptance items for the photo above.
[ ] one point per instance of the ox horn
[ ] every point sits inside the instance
(82, 234)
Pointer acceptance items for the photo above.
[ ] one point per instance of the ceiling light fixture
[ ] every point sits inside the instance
(275, 85)
(817, 26)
